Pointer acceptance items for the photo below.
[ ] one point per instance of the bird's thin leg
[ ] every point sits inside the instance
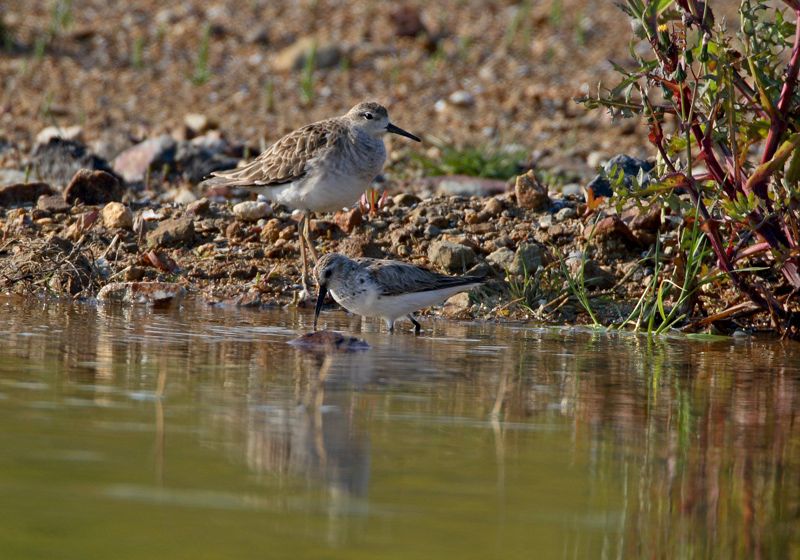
(391, 327)
(417, 326)
(303, 256)
(308, 239)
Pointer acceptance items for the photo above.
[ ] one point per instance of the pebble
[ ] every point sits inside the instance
(59, 160)
(461, 98)
(456, 305)
(117, 215)
(406, 199)
(198, 207)
(493, 207)
(527, 259)
(53, 203)
(252, 211)
(74, 132)
(565, 214)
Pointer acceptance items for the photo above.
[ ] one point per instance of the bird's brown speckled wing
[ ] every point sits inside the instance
(398, 278)
(286, 160)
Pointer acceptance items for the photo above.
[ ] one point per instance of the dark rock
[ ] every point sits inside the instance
(630, 166)
(153, 154)
(171, 232)
(23, 193)
(53, 203)
(329, 341)
(196, 162)
(530, 192)
(59, 160)
(594, 275)
(93, 187)
(361, 246)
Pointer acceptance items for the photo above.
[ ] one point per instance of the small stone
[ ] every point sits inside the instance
(572, 190)
(134, 273)
(348, 220)
(117, 215)
(493, 207)
(171, 232)
(406, 199)
(23, 193)
(199, 207)
(595, 159)
(461, 98)
(93, 187)
(450, 256)
(74, 133)
(252, 211)
(567, 213)
(271, 230)
(527, 259)
(530, 192)
(182, 196)
(631, 168)
(456, 305)
(432, 231)
(134, 163)
(53, 203)
(501, 259)
(594, 275)
(141, 292)
(645, 219)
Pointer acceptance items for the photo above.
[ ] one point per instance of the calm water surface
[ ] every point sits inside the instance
(199, 433)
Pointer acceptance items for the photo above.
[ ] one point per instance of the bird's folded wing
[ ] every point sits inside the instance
(397, 278)
(283, 162)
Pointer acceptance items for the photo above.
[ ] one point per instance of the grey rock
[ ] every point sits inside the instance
(54, 203)
(252, 211)
(196, 162)
(567, 213)
(450, 256)
(171, 232)
(527, 259)
(502, 258)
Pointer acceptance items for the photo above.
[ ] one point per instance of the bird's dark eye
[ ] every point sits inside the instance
(328, 273)
(367, 116)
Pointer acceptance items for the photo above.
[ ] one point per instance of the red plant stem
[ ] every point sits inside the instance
(780, 122)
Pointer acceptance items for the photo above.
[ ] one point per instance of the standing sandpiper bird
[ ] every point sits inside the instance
(383, 288)
(321, 167)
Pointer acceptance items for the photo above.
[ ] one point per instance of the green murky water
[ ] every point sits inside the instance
(199, 433)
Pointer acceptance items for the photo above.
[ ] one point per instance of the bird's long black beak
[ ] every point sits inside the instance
(397, 130)
(320, 298)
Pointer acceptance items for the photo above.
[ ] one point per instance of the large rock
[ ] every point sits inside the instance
(501, 258)
(134, 163)
(93, 187)
(450, 256)
(23, 193)
(59, 160)
(527, 259)
(171, 232)
(530, 192)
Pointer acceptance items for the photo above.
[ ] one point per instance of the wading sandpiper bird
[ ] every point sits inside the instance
(384, 288)
(321, 167)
